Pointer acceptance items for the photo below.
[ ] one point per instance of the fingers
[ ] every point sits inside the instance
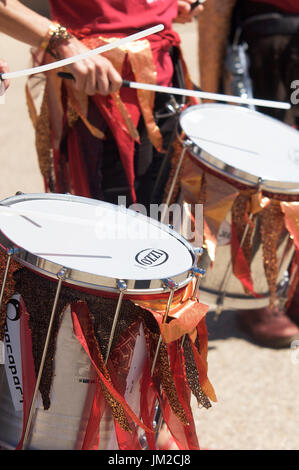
(4, 84)
(102, 80)
(90, 82)
(187, 12)
(115, 80)
(96, 76)
(92, 75)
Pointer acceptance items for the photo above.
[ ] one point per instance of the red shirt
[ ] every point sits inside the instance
(289, 6)
(113, 16)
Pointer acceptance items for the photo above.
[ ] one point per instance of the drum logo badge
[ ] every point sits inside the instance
(151, 257)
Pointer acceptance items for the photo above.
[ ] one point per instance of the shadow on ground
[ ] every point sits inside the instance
(224, 326)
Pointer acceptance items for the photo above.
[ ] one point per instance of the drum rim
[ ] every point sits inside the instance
(236, 174)
(84, 279)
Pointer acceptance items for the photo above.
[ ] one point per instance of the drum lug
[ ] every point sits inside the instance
(121, 285)
(173, 106)
(188, 143)
(198, 272)
(13, 251)
(260, 183)
(170, 284)
(198, 251)
(62, 273)
(10, 252)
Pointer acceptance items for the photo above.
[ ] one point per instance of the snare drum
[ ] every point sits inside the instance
(84, 267)
(240, 158)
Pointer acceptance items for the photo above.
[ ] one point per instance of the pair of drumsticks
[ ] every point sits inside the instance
(144, 86)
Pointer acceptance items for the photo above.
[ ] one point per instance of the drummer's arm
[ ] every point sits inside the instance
(22, 23)
(93, 75)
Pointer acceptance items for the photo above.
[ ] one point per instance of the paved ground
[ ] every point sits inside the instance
(257, 387)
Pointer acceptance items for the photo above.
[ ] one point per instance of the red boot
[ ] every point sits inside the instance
(269, 327)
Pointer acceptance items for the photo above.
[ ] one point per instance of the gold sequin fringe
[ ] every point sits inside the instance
(272, 224)
(43, 139)
(192, 376)
(116, 408)
(168, 385)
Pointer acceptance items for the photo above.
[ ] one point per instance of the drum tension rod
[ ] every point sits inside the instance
(122, 286)
(186, 144)
(172, 286)
(199, 274)
(61, 275)
(10, 252)
(283, 298)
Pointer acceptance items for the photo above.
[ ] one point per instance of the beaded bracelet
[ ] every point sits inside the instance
(55, 36)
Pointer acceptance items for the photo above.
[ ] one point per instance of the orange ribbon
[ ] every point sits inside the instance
(185, 314)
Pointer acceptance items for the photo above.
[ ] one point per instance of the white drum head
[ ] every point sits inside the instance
(245, 145)
(93, 237)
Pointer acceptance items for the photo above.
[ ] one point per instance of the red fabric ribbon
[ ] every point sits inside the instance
(82, 329)
(125, 143)
(184, 434)
(240, 265)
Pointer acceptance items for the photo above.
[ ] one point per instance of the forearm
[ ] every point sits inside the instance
(92, 75)
(22, 23)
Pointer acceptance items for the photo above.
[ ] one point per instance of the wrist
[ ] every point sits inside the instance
(57, 35)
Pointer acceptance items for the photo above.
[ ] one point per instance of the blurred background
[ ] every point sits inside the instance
(257, 388)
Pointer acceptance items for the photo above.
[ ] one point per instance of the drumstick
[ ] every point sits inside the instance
(72, 255)
(84, 55)
(12, 211)
(195, 4)
(196, 93)
(206, 95)
(28, 214)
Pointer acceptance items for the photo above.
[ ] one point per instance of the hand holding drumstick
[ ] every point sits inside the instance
(188, 10)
